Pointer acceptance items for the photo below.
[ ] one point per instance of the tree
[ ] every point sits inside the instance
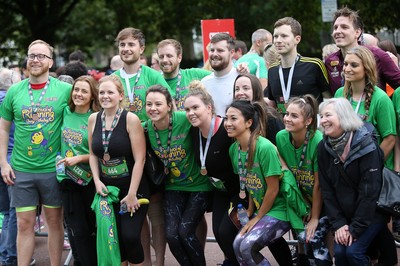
(91, 25)
(41, 19)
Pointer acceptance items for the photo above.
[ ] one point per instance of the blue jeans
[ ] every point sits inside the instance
(355, 254)
(8, 238)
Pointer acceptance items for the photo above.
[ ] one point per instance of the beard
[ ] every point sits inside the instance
(220, 64)
(37, 70)
(129, 58)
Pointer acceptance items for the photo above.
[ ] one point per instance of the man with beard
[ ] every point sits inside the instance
(294, 75)
(135, 77)
(220, 82)
(36, 106)
(254, 58)
(170, 56)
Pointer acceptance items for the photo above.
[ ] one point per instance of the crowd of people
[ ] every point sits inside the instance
(269, 129)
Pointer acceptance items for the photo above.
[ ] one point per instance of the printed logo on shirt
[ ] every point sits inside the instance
(35, 115)
(137, 104)
(179, 100)
(71, 136)
(40, 142)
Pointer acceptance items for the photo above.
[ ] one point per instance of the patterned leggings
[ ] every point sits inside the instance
(317, 243)
(183, 211)
(247, 247)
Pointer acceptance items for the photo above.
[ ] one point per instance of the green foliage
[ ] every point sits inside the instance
(91, 25)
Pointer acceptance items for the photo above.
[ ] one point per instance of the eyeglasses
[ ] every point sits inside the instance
(39, 57)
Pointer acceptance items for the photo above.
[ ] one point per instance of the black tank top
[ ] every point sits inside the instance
(120, 145)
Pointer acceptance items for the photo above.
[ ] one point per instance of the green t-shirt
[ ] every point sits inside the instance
(187, 76)
(256, 64)
(184, 172)
(37, 134)
(396, 104)
(292, 156)
(148, 77)
(266, 163)
(74, 142)
(381, 115)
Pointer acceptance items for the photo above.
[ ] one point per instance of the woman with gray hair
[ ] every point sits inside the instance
(350, 165)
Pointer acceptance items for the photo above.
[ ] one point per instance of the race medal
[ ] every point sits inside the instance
(242, 194)
(166, 171)
(203, 171)
(132, 107)
(35, 117)
(106, 156)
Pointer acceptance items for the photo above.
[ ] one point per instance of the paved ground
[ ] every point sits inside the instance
(214, 255)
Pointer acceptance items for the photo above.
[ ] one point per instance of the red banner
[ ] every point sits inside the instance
(210, 27)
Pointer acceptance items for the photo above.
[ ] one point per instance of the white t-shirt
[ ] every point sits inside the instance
(221, 89)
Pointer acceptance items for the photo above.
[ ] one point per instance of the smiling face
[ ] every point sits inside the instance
(157, 108)
(130, 50)
(235, 123)
(353, 68)
(169, 60)
(284, 40)
(330, 122)
(81, 94)
(295, 120)
(38, 68)
(220, 55)
(243, 89)
(344, 34)
(197, 112)
(109, 96)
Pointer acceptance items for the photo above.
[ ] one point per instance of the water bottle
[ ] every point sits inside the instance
(242, 215)
(60, 168)
(123, 208)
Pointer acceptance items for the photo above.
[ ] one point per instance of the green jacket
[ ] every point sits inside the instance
(296, 208)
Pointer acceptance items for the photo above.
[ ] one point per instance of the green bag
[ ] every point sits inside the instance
(107, 235)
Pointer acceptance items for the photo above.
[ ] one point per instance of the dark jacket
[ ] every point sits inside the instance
(352, 204)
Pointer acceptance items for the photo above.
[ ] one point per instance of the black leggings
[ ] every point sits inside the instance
(223, 228)
(183, 211)
(130, 227)
(225, 232)
(80, 219)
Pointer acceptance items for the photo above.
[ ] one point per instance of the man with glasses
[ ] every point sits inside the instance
(254, 60)
(135, 76)
(35, 105)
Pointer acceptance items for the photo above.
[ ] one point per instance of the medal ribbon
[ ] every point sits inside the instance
(242, 170)
(286, 89)
(40, 97)
(358, 104)
(106, 140)
(178, 84)
(164, 156)
(203, 154)
(302, 156)
(131, 90)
